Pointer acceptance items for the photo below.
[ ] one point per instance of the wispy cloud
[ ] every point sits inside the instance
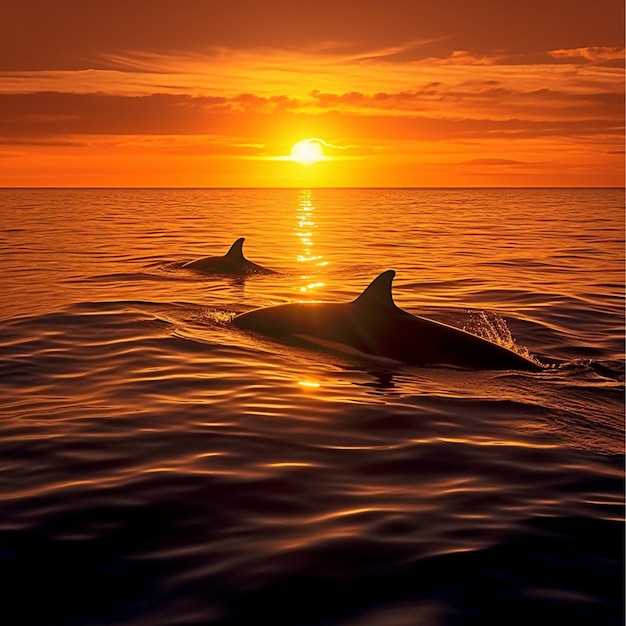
(459, 84)
(595, 54)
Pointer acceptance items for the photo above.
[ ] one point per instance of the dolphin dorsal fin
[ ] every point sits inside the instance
(378, 292)
(236, 250)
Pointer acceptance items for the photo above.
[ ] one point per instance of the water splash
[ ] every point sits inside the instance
(219, 316)
(493, 327)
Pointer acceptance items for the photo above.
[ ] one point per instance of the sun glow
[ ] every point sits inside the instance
(307, 152)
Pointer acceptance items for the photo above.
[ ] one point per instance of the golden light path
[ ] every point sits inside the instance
(304, 231)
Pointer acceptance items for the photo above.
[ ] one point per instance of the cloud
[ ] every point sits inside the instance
(490, 161)
(475, 109)
(480, 99)
(50, 114)
(72, 35)
(291, 79)
(595, 54)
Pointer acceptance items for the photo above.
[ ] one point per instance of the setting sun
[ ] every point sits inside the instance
(307, 152)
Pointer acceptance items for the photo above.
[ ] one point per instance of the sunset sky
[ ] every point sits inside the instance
(412, 93)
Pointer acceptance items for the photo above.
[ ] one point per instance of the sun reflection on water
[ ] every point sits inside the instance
(305, 225)
(304, 230)
(310, 286)
(308, 384)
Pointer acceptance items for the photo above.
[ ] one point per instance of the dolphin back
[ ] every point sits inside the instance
(373, 326)
(235, 253)
(233, 262)
(378, 292)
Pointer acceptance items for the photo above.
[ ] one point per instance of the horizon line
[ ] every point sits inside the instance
(14, 187)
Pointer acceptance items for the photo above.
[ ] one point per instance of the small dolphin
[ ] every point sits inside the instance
(233, 262)
(373, 326)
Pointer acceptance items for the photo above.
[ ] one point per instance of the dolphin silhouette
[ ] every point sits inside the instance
(373, 326)
(233, 262)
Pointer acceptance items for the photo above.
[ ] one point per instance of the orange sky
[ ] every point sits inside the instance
(135, 93)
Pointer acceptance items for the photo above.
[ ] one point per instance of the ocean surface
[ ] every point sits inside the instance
(159, 466)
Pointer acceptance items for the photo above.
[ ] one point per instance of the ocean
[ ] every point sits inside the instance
(159, 466)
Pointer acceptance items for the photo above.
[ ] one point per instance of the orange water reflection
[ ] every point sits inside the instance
(308, 384)
(305, 226)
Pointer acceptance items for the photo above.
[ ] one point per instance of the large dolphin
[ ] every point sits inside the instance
(373, 326)
(233, 262)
